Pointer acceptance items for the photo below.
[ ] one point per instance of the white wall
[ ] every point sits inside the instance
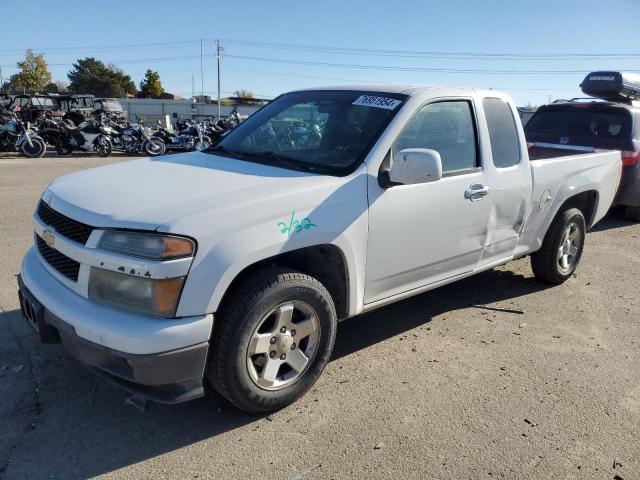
(152, 109)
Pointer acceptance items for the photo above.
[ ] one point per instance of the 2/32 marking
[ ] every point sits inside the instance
(295, 226)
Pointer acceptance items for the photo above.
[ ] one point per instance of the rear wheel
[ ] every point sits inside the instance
(154, 147)
(562, 248)
(35, 150)
(272, 340)
(632, 213)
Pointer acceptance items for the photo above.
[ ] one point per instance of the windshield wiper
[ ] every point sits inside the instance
(280, 160)
(220, 149)
(277, 159)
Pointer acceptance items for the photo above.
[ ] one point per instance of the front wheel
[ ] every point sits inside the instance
(203, 145)
(562, 248)
(272, 340)
(35, 150)
(154, 147)
(103, 146)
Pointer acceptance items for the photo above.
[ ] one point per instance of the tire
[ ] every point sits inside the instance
(632, 213)
(242, 378)
(154, 147)
(565, 238)
(103, 147)
(36, 150)
(202, 145)
(63, 149)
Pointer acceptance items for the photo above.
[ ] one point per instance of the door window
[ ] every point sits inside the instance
(447, 127)
(503, 133)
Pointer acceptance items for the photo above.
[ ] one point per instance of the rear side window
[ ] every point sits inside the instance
(447, 127)
(503, 133)
(585, 126)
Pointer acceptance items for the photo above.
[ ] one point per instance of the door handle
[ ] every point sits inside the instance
(476, 192)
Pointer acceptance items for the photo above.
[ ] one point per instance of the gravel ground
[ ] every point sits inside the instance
(426, 388)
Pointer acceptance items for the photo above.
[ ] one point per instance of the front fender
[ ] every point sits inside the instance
(103, 136)
(211, 276)
(32, 136)
(243, 236)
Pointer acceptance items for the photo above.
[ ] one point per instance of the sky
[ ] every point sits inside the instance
(535, 50)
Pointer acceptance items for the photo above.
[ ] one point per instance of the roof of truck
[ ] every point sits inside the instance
(406, 89)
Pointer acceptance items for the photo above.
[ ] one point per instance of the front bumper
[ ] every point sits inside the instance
(161, 359)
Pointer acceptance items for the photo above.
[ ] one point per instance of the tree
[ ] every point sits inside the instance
(90, 75)
(57, 87)
(33, 76)
(151, 85)
(242, 93)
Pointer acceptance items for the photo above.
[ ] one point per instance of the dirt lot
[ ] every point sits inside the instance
(426, 388)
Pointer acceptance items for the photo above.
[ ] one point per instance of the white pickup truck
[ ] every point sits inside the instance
(235, 264)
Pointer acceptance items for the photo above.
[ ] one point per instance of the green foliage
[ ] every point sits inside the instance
(151, 85)
(90, 75)
(56, 87)
(33, 76)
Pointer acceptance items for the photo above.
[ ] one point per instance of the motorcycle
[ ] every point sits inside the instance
(188, 137)
(135, 138)
(15, 135)
(90, 136)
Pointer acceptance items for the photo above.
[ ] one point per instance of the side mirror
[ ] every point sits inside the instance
(415, 165)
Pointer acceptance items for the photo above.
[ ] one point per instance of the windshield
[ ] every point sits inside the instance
(111, 105)
(317, 131)
(587, 126)
(43, 102)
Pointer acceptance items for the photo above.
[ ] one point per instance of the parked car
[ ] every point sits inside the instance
(77, 108)
(30, 107)
(613, 122)
(112, 108)
(406, 189)
(526, 113)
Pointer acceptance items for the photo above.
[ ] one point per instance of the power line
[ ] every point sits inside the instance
(344, 65)
(345, 50)
(338, 79)
(132, 46)
(430, 54)
(410, 69)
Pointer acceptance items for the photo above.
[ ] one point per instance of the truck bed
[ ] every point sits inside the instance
(563, 172)
(547, 151)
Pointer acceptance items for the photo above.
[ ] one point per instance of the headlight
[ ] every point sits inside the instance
(147, 245)
(138, 294)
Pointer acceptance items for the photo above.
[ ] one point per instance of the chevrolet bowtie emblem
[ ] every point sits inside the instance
(48, 238)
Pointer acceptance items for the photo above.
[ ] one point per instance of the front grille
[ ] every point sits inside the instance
(63, 264)
(65, 226)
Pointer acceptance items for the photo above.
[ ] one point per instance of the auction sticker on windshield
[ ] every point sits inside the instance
(378, 102)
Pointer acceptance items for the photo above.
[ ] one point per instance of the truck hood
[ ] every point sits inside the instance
(147, 193)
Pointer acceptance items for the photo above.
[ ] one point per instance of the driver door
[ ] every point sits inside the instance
(424, 233)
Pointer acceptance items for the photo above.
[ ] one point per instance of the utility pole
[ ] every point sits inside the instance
(201, 75)
(219, 49)
(193, 87)
(1, 80)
